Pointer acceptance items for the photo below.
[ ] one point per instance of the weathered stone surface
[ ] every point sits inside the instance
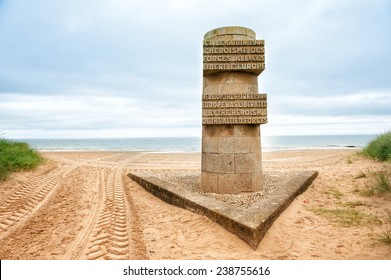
(247, 163)
(217, 130)
(210, 144)
(231, 183)
(250, 225)
(219, 163)
(211, 180)
(246, 130)
(232, 110)
(230, 31)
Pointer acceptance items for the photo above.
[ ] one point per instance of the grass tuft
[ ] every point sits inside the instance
(15, 156)
(383, 183)
(384, 237)
(379, 184)
(346, 217)
(380, 147)
(353, 204)
(335, 192)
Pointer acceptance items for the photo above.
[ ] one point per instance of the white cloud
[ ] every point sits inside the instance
(102, 67)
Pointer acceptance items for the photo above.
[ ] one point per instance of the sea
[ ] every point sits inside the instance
(193, 144)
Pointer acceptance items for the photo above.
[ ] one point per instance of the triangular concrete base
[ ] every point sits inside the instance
(251, 224)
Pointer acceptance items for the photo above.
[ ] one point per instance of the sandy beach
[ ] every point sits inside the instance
(81, 205)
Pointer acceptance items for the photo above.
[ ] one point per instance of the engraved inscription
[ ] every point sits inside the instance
(234, 108)
(233, 112)
(234, 55)
(235, 96)
(234, 66)
(234, 50)
(234, 42)
(233, 58)
(234, 104)
(247, 120)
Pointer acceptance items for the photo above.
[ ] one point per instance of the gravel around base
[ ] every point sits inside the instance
(191, 182)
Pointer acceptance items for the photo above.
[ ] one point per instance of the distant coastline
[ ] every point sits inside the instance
(193, 144)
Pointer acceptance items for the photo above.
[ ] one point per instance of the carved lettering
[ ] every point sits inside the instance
(234, 104)
(234, 50)
(234, 108)
(233, 58)
(234, 42)
(234, 55)
(235, 120)
(234, 112)
(261, 96)
(234, 66)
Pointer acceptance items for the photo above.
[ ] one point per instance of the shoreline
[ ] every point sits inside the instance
(196, 152)
(194, 144)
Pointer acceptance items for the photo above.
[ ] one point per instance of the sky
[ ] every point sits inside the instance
(133, 68)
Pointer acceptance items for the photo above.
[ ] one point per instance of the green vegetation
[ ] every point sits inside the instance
(346, 217)
(379, 148)
(16, 156)
(353, 204)
(377, 183)
(384, 237)
(383, 183)
(335, 192)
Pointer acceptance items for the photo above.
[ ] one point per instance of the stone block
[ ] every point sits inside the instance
(234, 145)
(239, 183)
(257, 181)
(227, 183)
(218, 78)
(243, 144)
(246, 130)
(218, 130)
(247, 163)
(244, 182)
(210, 144)
(233, 88)
(227, 145)
(245, 78)
(212, 89)
(235, 183)
(220, 163)
(229, 31)
(255, 144)
(253, 89)
(209, 182)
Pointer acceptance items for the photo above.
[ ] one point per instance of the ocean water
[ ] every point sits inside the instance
(193, 144)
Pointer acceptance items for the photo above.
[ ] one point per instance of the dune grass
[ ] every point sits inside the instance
(346, 216)
(379, 184)
(384, 237)
(380, 147)
(15, 156)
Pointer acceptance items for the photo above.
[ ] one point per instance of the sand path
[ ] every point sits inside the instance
(81, 205)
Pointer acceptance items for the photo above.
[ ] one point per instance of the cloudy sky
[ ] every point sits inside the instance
(128, 68)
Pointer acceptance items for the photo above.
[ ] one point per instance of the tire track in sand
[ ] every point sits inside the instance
(28, 198)
(80, 242)
(109, 232)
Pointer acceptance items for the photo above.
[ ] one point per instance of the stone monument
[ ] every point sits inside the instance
(232, 111)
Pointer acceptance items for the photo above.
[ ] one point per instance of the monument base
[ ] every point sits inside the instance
(231, 159)
(249, 223)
